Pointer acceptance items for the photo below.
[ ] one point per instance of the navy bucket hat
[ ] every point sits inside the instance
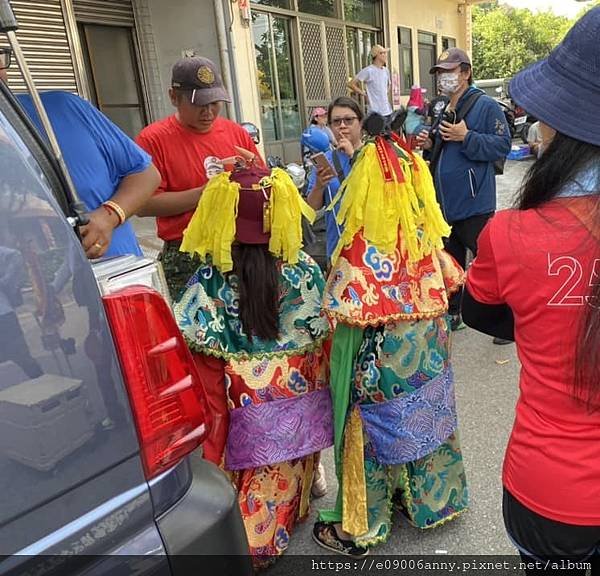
(563, 91)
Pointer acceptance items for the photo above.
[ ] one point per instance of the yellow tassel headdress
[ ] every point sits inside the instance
(390, 189)
(212, 229)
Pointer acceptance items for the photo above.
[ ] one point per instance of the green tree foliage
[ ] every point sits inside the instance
(588, 7)
(507, 39)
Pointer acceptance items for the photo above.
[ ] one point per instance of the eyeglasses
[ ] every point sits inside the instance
(347, 120)
(5, 58)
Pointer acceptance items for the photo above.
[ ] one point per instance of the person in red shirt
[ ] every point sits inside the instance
(539, 263)
(185, 147)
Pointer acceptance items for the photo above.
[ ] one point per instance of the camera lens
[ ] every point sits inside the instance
(450, 117)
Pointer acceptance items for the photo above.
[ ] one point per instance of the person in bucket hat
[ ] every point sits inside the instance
(185, 147)
(536, 278)
(251, 313)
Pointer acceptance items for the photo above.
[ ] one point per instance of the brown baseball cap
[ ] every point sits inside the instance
(201, 76)
(450, 59)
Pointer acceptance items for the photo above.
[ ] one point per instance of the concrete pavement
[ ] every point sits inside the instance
(486, 387)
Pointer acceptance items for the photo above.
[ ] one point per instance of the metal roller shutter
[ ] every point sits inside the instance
(115, 12)
(43, 37)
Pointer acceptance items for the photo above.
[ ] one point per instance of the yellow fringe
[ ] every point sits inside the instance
(212, 227)
(211, 230)
(381, 208)
(287, 209)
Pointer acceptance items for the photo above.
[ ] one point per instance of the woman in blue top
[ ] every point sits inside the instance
(345, 118)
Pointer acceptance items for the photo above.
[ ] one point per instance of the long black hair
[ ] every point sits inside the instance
(560, 163)
(256, 270)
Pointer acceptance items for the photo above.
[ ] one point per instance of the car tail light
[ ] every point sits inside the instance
(167, 397)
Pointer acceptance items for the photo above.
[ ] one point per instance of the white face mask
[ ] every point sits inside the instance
(448, 82)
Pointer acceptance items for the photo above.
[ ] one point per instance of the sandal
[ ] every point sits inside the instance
(326, 536)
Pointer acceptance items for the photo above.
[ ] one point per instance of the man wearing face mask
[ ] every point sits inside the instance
(183, 148)
(465, 141)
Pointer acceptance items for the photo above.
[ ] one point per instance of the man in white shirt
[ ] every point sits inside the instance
(534, 139)
(376, 79)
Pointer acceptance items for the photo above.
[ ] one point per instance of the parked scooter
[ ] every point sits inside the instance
(523, 122)
(508, 111)
(296, 172)
(252, 130)
(517, 118)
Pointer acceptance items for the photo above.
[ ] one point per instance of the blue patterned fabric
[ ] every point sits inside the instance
(411, 426)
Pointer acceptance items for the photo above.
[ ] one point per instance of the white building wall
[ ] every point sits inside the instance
(157, 102)
(168, 30)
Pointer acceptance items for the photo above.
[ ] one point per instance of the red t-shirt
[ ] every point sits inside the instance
(541, 263)
(179, 154)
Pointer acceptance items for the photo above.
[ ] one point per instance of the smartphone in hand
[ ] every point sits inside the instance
(320, 160)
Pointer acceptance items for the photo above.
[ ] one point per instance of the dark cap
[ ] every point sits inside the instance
(201, 76)
(450, 59)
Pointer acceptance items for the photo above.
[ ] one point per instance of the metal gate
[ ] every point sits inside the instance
(43, 36)
(115, 12)
(110, 47)
(324, 65)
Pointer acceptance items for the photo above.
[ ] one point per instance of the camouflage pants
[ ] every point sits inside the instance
(178, 267)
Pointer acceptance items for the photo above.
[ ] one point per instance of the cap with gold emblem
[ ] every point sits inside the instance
(450, 59)
(200, 75)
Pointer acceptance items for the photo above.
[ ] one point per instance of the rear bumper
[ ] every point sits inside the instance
(206, 522)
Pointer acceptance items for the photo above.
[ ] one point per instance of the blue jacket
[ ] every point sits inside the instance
(465, 180)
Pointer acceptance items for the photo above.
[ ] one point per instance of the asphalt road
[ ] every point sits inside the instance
(486, 386)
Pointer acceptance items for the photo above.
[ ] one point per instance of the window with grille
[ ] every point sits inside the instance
(448, 43)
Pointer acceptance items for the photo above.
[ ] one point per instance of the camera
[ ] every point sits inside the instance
(377, 125)
(449, 116)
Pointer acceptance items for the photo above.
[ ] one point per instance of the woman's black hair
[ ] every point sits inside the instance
(258, 288)
(561, 162)
(345, 102)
